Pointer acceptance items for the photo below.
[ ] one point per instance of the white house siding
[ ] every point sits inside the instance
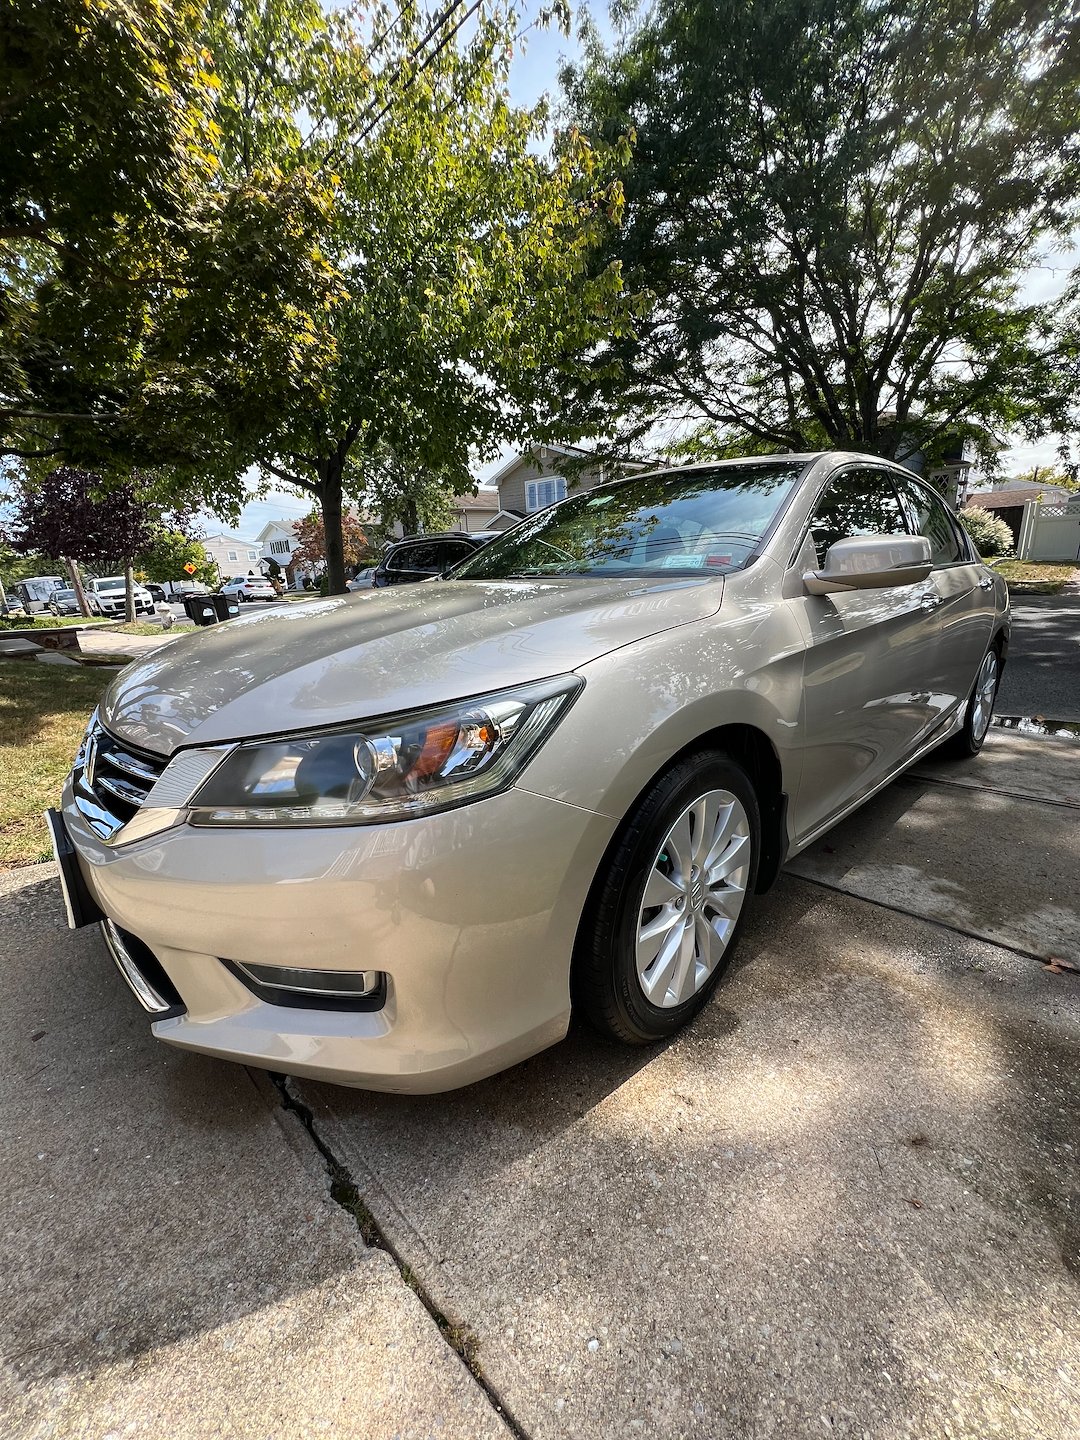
(232, 554)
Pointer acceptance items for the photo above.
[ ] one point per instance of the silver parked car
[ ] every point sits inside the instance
(391, 840)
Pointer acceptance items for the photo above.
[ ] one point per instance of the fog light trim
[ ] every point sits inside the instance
(305, 988)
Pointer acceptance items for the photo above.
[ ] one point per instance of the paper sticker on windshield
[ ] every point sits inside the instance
(682, 562)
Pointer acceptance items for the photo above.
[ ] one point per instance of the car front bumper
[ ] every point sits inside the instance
(470, 914)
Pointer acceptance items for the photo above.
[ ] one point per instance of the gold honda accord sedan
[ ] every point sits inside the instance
(392, 840)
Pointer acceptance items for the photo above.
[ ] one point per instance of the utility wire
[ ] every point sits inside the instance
(428, 61)
(433, 29)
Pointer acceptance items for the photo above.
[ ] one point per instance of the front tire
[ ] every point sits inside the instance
(971, 738)
(667, 905)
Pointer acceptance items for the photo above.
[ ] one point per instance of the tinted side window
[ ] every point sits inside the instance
(929, 517)
(427, 557)
(858, 502)
(454, 551)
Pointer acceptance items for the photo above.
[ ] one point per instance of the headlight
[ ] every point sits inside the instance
(391, 770)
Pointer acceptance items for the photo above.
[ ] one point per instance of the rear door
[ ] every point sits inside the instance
(963, 611)
(866, 702)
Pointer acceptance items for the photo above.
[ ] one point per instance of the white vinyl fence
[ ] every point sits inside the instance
(1050, 531)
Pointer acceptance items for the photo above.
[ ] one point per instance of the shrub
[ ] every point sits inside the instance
(990, 535)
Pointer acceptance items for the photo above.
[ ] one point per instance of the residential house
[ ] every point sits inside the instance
(534, 479)
(232, 554)
(476, 512)
(278, 541)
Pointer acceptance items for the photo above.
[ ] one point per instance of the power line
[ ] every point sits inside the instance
(428, 61)
(432, 31)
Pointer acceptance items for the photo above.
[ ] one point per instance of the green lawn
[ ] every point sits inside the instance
(43, 713)
(1043, 577)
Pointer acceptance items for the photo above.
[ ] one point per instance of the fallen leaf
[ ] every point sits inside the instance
(1057, 966)
(916, 1204)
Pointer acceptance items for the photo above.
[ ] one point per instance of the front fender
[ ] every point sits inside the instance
(743, 666)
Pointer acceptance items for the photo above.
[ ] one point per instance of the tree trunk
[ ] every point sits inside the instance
(410, 516)
(77, 586)
(330, 500)
(129, 595)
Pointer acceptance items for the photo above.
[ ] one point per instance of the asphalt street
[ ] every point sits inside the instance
(1042, 676)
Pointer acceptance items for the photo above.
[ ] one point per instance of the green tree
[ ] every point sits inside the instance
(148, 305)
(1045, 475)
(171, 548)
(833, 203)
(462, 253)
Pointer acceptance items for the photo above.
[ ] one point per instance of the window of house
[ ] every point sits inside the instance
(279, 547)
(539, 494)
(857, 502)
(928, 516)
(233, 555)
(253, 554)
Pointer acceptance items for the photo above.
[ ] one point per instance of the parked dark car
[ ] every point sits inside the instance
(157, 593)
(64, 602)
(419, 557)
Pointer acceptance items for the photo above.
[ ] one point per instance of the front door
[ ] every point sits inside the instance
(963, 618)
(866, 698)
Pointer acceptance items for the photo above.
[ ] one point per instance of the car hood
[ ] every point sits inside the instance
(329, 662)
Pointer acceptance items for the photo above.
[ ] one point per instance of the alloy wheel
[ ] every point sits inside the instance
(694, 892)
(985, 691)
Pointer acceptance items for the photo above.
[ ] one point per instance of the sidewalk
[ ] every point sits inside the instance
(841, 1204)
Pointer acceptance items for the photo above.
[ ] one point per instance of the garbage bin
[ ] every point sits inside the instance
(201, 608)
(226, 607)
(209, 609)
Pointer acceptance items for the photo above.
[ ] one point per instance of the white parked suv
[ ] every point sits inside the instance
(249, 587)
(108, 597)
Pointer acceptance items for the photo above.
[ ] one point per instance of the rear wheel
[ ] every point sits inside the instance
(667, 907)
(970, 739)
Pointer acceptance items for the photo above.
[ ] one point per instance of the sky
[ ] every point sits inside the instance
(533, 73)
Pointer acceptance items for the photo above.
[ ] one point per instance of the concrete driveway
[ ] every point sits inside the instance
(843, 1203)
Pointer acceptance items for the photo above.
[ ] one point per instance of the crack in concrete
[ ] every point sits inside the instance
(344, 1192)
(993, 790)
(915, 915)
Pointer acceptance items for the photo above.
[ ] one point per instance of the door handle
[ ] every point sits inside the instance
(929, 601)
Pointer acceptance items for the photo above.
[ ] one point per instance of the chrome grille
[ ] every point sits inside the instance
(111, 779)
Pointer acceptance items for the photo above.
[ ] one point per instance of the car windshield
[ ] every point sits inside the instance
(116, 582)
(63, 594)
(703, 521)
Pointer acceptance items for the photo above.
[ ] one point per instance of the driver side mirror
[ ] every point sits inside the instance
(871, 562)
